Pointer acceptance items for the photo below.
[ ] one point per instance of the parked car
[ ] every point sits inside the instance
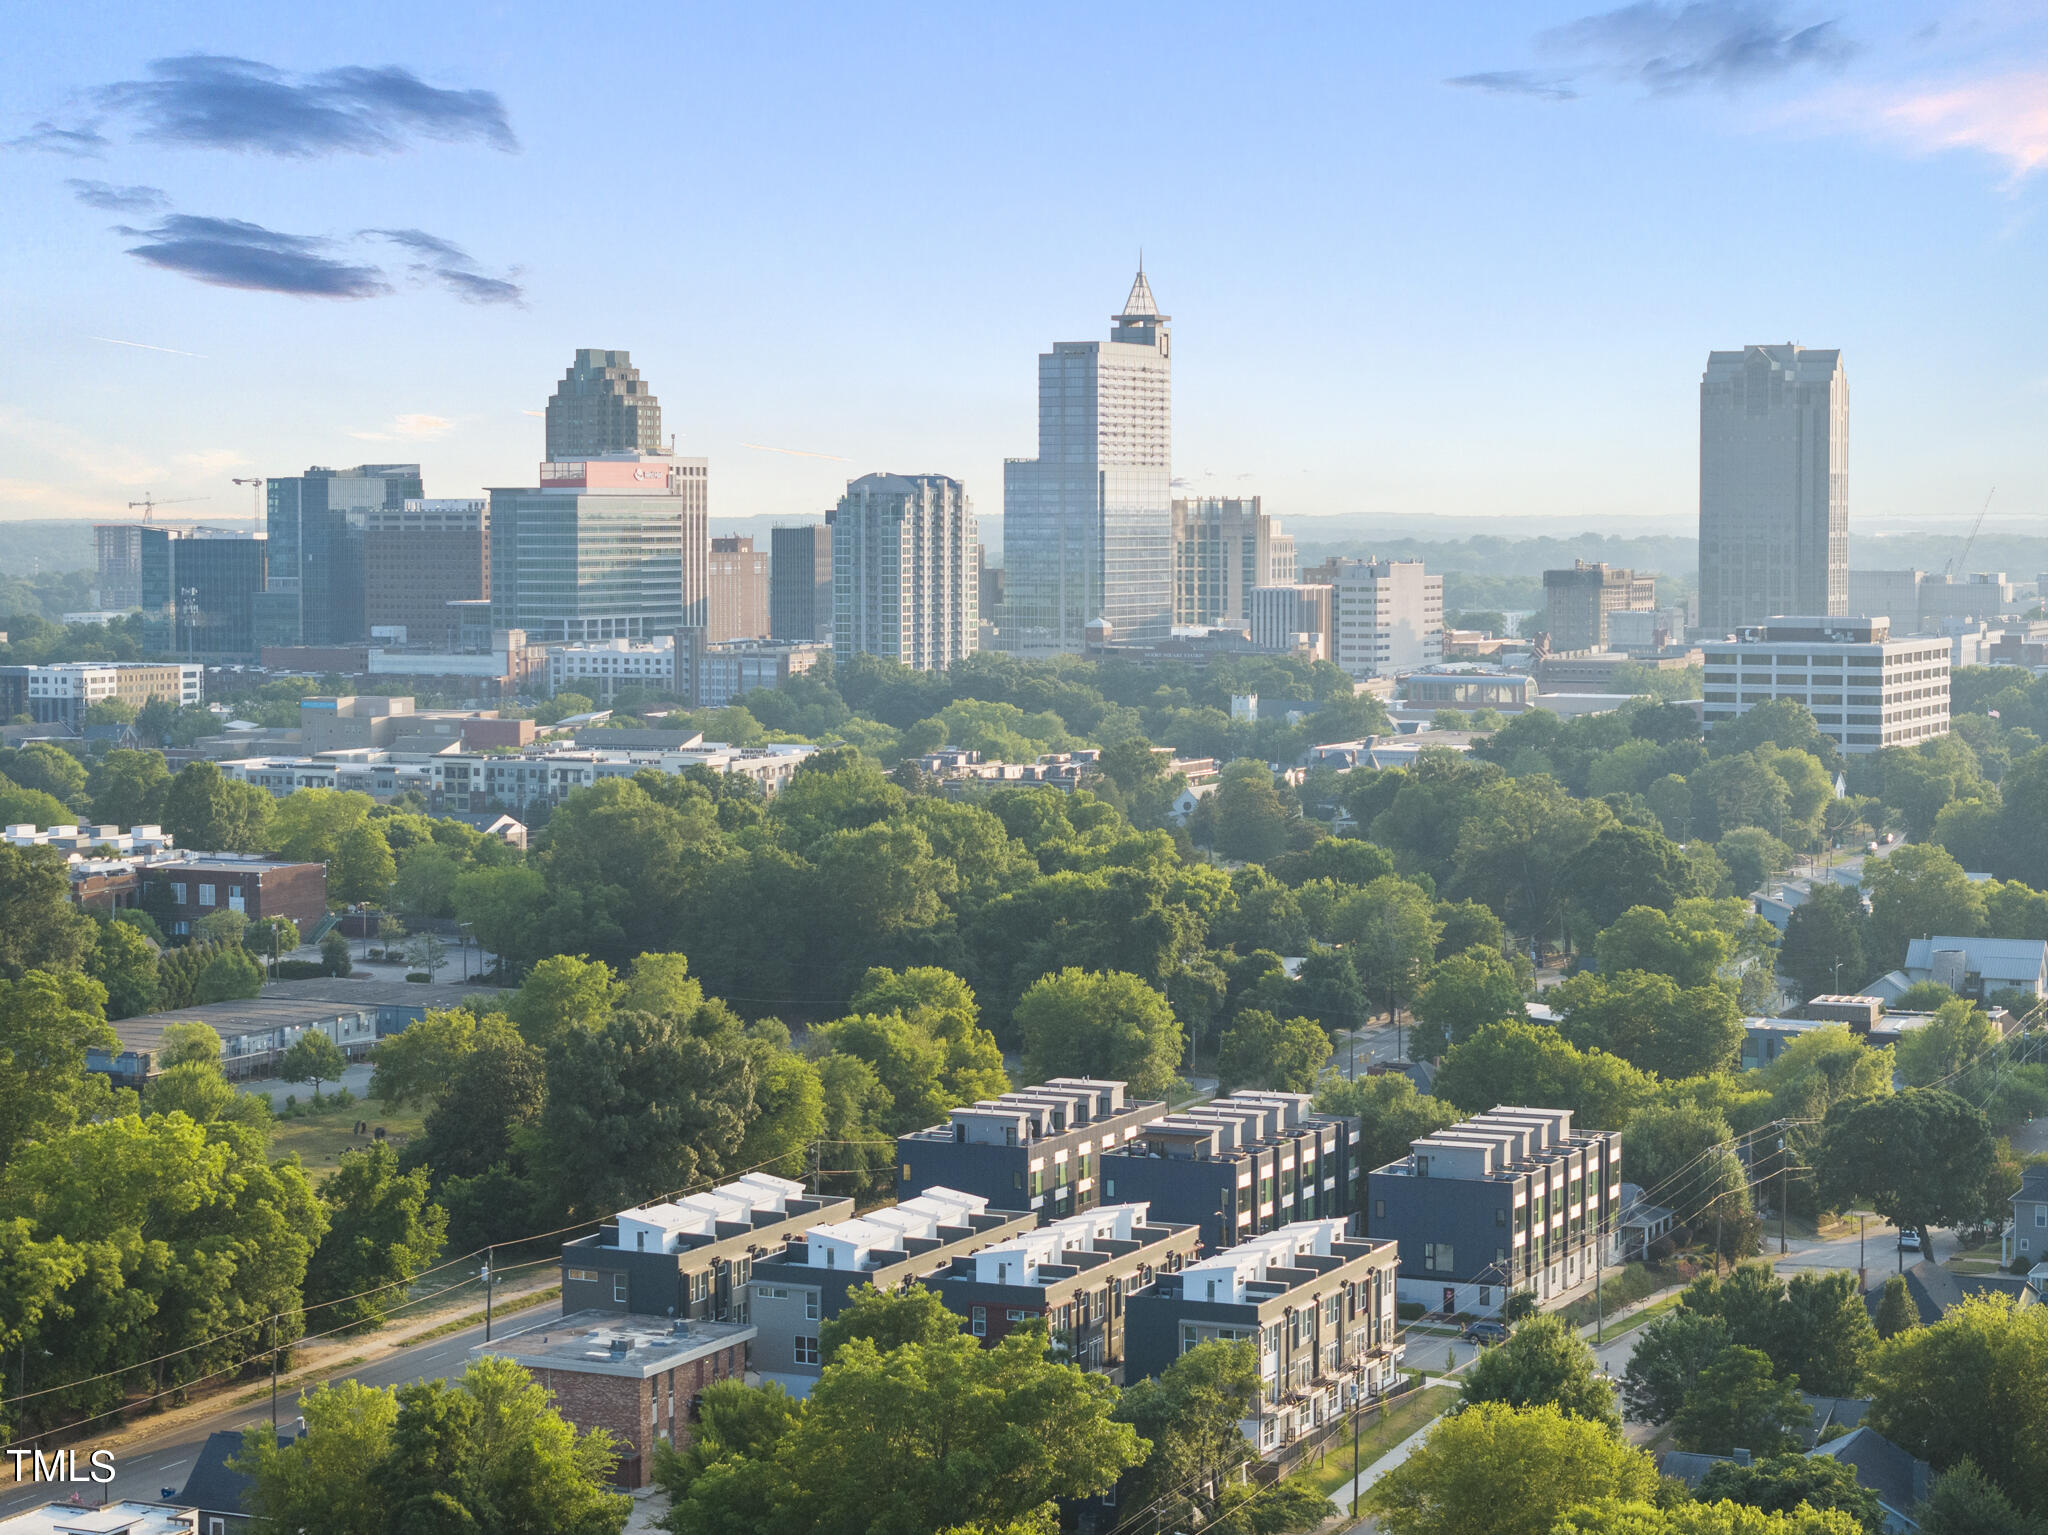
(1909, 1241)
(1484, 1331)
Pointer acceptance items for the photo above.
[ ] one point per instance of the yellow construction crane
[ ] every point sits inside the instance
(149, 503)
(255, 502)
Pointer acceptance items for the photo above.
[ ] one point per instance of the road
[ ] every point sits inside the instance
(145, 1468)
(1377, 1044)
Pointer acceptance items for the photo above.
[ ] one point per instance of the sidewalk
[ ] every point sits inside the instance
(1400, 1452)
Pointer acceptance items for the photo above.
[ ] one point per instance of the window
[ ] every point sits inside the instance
(206, 895)
(806, 1349)
(810, 1305)
(980, 1321)
(1379, 1209)
(178, 892)
(1500, 1216)
(583, 1276)
(216, 1525)
(619, 1289)
(2041, 1215)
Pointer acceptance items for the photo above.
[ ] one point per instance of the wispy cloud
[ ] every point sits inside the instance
(232, 253)
(2005, 116)
(104, 194)
(1518, 82)
(453, 268)
(762, 447)
(211, 101)
(144, 346)
(81, 143)
(409, 427)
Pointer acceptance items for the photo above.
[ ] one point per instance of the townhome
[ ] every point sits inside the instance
(1036, 1149)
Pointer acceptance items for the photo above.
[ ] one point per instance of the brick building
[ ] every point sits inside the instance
(178, 892)
(638, 1376)
(737, 598)
(418, 558)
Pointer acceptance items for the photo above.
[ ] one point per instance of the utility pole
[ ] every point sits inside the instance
(1357, 1401)
(273, 1376)
(1862, 1273)
(1782, 1247)
(489, 1254)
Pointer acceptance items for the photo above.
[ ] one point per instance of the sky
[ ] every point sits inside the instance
(1444, 261)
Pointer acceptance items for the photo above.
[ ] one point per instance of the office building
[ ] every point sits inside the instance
(800, 583)
(1774, 486)
(1036, 1149)
(1293, 620)
(1222, 550)
(903, 571)
(1388, 615)
(1577, 602)
(1317, 1304)
(736, 605)
(638, 1377)
(1239, 1167)
(1865, 689)
(601, 409)
(1074, 1276)
(199, 588)
(352, 723)
(691, 1258)
(1512, 1200)
(1088, 523)
(717, 675)
(62, 692)
(602, 549)
(815, 1275)
(1635, 631)
(418, 559)
(1917, 602)
(599, 669)
(315, 590)
(117, 551)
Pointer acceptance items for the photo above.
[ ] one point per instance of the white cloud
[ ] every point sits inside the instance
(411, 426)
(211, 460)
(2003, 115)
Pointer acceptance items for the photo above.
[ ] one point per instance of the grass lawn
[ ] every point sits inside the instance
(1637, 1319)
(1619, 1287)
(321, 1137)
(1377, 1437)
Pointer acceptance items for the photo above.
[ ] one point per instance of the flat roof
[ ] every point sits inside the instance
(612, 1343)
(373, 993)
(253, 1015)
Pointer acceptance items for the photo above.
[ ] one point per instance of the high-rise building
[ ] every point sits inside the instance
(1774, 485)
(1222, 549)
(1388, 615)
(737, 596)
(315, 590)
(603, 548)
(1293, 618)
(602, 407)
(1865, 689)
(199, 588)
(800, 582)
(1088, 524)
(417, 559)
(1577, 601)
(903, 571)
(118, 546)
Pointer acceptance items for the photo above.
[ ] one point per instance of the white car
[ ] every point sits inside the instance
(1909, 1241)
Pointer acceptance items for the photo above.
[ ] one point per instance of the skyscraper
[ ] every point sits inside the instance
(736, 603)
(903, 571)
(602, 406)
(800, 582)
(1576, 602)
(315, 588)
(1774, 486)
(1088, 524)
(1222, 550)
(198, 590)
(417, 559)
(1387, 616)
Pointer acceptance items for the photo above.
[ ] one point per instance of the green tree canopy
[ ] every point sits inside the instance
(382, 1231)
(1919, 1158)
(312, 1057)
(1919, 891)
(1100, 1024)
(1823, 950)
(1258, 1050)
(1543, 1360)
(1738, 1402)
(1464, 994)
(1783, 1484)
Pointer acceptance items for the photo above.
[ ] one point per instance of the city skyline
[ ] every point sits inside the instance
(1544, 228)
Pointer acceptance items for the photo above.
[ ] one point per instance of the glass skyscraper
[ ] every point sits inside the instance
(198, 590)
(1088, 524)
(315, 593)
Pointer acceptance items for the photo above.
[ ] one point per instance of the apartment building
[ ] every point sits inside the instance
(1036, 1149)
(712, 676)
(1239, 1167)
(1074, 1275)
(693, 1257)
(1865, 689)
(1388, 615)
(1223, 547)
(600, 668)
(815, 1275)
(1511, 1200)
(1293, 620)
(62, 692)
(1319, 1306)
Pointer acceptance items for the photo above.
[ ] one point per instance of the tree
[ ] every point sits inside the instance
(735, 1423)
(1100, 1024)
(315, 1058)
(1970, 1388)
(1824, 1067)
(1643, 938)
(944, 1007)
(1454, 1482)
(889, 1321)
(1687, 1518)
(1523, 1063)
(39, 927)
(334, 955)
(271, 936)
(1543, 1361)
(48, 1020)
(1462, 996)
(1624, 867)
(1390, 930)
(1649, 1022)
(362, 867)
(1670, 1355)
(125, 962)
(482, 1102)
(1258, 1050)
(1895, 1309)
(206, 810)
(382, 1230)
(1739, 1403)
(19, 806)
(188, 1042)
(415, 1065)
(230, 975)
(1956, 1037)
(1391, 1114)
(223, 926)
(1966, 1502)
(127, 788)
(1919, 1158)
(1825, 1335)
(309, 825)
(1917, 892)
(1781, 1484)
(1824, 942)
(1753, 857)
(426, 951)
(42, 767)
(1251, 823)
(1683, 1155)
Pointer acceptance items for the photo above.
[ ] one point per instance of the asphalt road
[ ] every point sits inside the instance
(143, 1469)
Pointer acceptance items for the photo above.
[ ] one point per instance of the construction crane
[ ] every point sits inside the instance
(149, 503)
(1970, 543)
(255, 502)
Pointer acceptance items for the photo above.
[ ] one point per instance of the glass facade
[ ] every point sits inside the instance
(315, 522)
(199, 591)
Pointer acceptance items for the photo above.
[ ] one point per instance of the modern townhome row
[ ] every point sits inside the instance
(1234, 1167)
(1511, 1200)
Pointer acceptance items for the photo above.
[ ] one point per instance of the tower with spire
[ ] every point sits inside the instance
(1088, 523)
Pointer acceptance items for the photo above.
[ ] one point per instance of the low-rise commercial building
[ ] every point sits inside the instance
(115, 870)
(1240, 1166)
(692, 1257)
(637, 1376)
(124, 1518)
(816, 1274)
(1074, 1276)
(1510, 1200)
(1035, 1149)
(61, 692)
(1865, 689)
(1319, 1306)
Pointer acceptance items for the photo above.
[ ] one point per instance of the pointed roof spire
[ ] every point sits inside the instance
(1140, 305)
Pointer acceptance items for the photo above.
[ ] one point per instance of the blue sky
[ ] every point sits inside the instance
(1459, 260)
